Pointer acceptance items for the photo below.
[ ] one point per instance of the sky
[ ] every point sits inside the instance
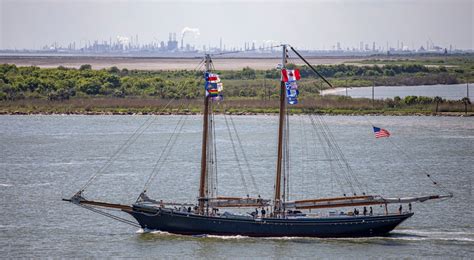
(317, 24)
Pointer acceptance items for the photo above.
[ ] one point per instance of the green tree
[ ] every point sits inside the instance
(466, 101)
(389, 72)
(248, 73)
(437, 100)
(85, 67)
(90, 86)
(114, 70)
(410, 100)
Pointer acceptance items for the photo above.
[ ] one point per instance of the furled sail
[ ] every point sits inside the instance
(355, 201)
(230, 202)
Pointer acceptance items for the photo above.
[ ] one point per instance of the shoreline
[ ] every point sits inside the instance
(160, 63)
(238, 113)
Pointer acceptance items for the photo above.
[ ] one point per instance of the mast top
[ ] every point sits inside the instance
(207, 62)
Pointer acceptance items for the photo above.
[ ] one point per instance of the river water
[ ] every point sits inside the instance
(46, 158)
(449, 92)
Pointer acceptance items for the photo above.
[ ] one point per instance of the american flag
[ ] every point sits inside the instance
(380, 132)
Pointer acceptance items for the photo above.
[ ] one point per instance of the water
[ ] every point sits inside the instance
(449, 92)
(46, 158)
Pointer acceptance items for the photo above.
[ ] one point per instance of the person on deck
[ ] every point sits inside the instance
(371, 211)
(409, 206)
(263, 212)
(365, 211)
(400, 209)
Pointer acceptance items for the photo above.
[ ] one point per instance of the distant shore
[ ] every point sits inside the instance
(149, 106)
(152, 63)
(243, 113)
(145, 85)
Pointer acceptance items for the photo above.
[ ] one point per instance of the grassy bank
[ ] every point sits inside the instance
(326, 105)
(64, 83)
(27, 90)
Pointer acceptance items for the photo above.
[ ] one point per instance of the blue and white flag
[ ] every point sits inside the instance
(292, 92)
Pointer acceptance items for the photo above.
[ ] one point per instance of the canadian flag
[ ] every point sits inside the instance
(290, 75)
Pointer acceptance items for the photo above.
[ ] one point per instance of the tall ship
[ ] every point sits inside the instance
(268, 217)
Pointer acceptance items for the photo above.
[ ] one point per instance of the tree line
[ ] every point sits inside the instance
(63, 83)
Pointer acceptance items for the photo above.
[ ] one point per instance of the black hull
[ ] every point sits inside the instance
(345, 226)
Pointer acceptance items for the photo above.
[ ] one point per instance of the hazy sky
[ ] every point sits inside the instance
(306, 24)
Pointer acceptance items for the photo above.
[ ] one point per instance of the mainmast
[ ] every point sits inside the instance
(205, 135)
(277, 200)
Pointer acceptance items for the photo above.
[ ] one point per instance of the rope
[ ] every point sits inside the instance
(103, 213)
(351, 172)
(201, 63)
(410, 158)
(432, 179)
(287, 153)
(137, 133)
(214, 155)
(304, 151)
(312, 68)
(326, 153)
(333, 152)
(252, 179)
(235, 154)
(159, 165)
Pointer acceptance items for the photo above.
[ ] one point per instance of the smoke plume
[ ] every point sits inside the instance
(187, 30)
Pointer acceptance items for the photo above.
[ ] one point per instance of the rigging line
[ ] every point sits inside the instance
(304, 150)
(351, 172)
(137, 133)
(166, 151)
(211, 152)
(171, 146)
(199, 65)
(235, 154)
(346, 163)
(252, 179)
(334, 151)
(410, 158)
(209, 168)
(211, 155)
(312, 68)
(287, 151)
(284, 158)
(159, 162)
(103, 213)
(433, 180)
(326, 153)
(215, 154)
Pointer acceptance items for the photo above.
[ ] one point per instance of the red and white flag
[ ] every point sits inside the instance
(290, 75)
(380, 132)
